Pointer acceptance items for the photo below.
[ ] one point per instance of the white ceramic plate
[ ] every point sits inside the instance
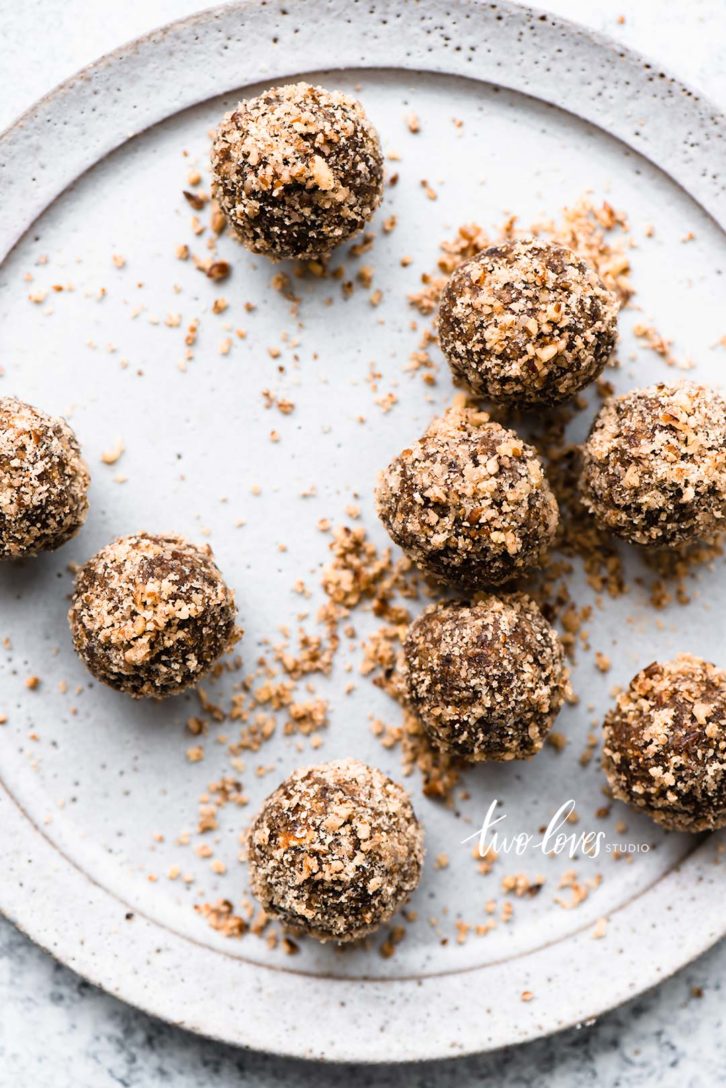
(96, 169)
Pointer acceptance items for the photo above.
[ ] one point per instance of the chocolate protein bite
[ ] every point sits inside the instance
(486, 679)
(43, 481)
(654, 465)
(151, 614)
(527, 324)
(335, 850)
(469, 502)
(297, 170)
(664, 746)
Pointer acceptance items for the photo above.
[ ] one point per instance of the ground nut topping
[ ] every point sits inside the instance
(527, 323)
(665, 744)
(469, 501)
(487, 679)
(43, 481)
(654, 465)
(297, 170)
(335, 850)
(151, 614)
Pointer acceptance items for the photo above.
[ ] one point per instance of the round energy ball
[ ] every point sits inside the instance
(486, 679)
(469, 502)
(665, 744)
(151, 614)
(43, 481)
(527, 323)
(297, 170)
(335, 850)
(654, 465)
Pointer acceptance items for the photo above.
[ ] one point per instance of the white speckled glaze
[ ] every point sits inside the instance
(74, 892)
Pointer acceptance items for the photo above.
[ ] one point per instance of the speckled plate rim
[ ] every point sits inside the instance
(82, 923)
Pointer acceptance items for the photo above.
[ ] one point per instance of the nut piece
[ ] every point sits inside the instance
(43, 481)
(469, 502)
(654, 465)
(151, 614)
(527, 323)
(665, 744)
(487, 679)
(297, 170)
(335, 850)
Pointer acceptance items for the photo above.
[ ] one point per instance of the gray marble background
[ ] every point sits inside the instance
(57, 1031)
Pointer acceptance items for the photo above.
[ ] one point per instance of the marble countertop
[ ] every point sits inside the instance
(58, 1031)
